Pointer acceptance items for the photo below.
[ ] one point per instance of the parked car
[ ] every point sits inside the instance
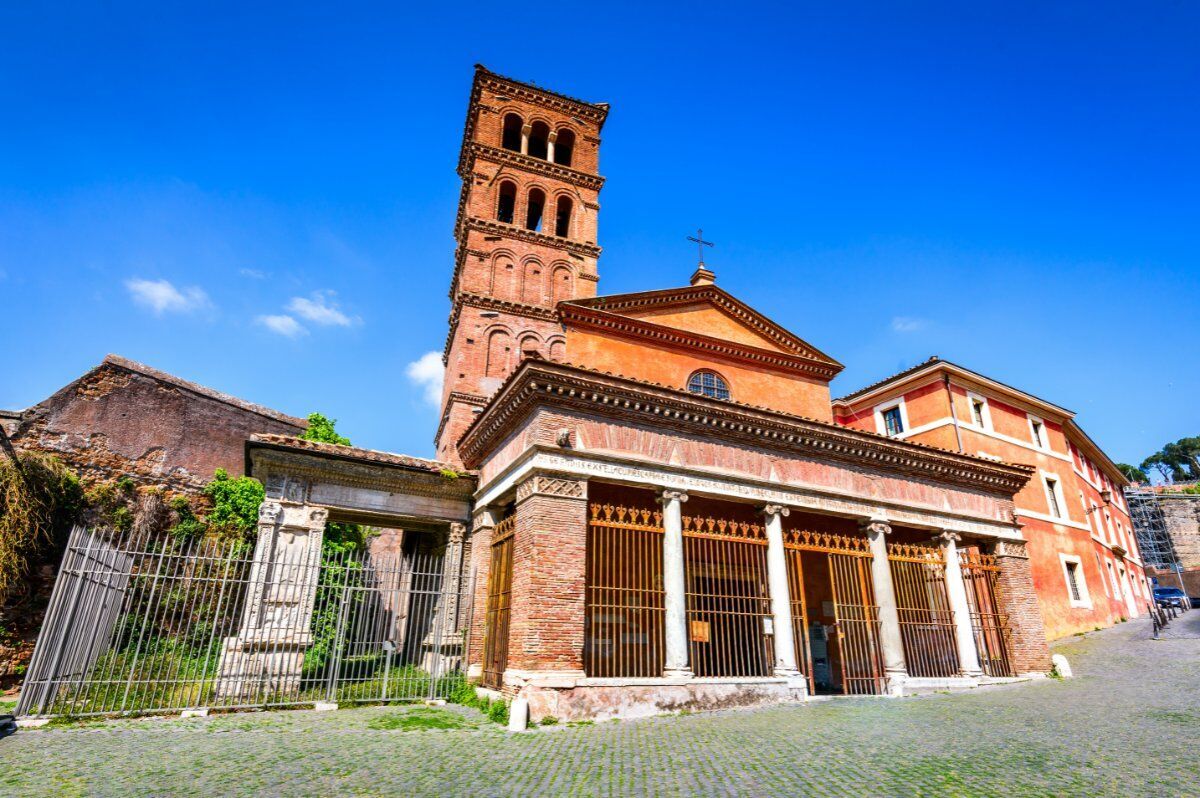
(1170, 597)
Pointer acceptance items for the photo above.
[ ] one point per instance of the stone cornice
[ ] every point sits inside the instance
(644, 330)
(629, 401)
(358, 473)
(485, 78)
(727, 303)
(495, 228)
(456, 396)
(476, 149)
(465, 299)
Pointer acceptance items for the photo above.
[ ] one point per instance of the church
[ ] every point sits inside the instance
(658, 502)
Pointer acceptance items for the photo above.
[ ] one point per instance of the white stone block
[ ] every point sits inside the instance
(518, 714)
(194, 713)
(325, 706)
(1061, 666)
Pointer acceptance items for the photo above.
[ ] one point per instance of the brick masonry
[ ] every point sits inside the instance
(508, 277)
(549, 550)
(124, 419)
(1019, 601)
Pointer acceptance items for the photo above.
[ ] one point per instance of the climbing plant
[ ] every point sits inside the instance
(40, 498)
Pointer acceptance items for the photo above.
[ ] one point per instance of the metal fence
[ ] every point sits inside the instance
(153, 625)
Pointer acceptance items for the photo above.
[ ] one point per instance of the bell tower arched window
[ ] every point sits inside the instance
(708, 383)
(564, 146)
(510, 137)
(534, 209)
(506, 205)
(539, 138)
(562, 217)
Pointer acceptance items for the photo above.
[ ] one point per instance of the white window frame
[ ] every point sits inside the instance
(972, 398)
(1085, 599)
(1041, 442)
(1100, 568)
(1064, 514)
(881, 427)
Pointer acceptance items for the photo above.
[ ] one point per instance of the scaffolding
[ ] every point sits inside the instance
(1150, 528)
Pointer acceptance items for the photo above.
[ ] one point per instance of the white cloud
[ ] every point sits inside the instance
(253, 274)
(161, 296)
(427, 372)
(283, 325)
(321, 309)
(907, 324)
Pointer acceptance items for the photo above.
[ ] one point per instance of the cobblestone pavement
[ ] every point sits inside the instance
(1125, 726)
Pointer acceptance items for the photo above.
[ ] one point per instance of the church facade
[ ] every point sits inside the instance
(657, 500)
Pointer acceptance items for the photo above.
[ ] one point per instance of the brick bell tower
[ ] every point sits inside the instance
(526, 232)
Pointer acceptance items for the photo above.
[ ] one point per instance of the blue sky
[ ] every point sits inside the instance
(261, 198)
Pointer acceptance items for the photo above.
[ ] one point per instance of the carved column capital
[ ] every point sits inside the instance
(775, 509)
(563, 487)
(873, 527)
(317, 517)
(269, 512)
(457, 532)
(671, 494)
(1011, 548)
(947, 536)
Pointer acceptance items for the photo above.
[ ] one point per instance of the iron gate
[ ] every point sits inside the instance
(625, 601)
(155, 625)
(727, 597)
(923, 605)
(982, 575)
(855, 613)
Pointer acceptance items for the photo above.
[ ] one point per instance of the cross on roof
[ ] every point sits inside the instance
(700, 244)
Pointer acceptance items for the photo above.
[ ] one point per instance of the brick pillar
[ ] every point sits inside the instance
(480, 565)
(549, 552)
(1019, 602)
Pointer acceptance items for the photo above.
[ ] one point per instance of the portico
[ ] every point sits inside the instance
(641, 582)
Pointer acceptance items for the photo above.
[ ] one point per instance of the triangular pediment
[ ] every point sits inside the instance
(706, 312)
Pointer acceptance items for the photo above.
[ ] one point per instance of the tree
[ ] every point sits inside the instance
(1133, 473)
(1176, 462)
(321, 429)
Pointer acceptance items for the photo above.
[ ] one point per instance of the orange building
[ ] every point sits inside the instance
(1086, 565)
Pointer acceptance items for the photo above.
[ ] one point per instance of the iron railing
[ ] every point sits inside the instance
(154, 625)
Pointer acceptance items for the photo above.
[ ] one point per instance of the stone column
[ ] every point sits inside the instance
(452, 581)
(550, 145)
(956, 594)
(781, 599)
(276, 626)
(481, 568)
(525, 130)
(549, 554)
(891, 644)
(1019, 602)
(675, 585)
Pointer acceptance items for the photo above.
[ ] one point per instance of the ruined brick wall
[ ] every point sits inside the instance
(1182, 515)
(124, 419)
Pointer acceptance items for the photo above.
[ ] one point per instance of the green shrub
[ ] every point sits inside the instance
(235, 503)
(498, 712)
